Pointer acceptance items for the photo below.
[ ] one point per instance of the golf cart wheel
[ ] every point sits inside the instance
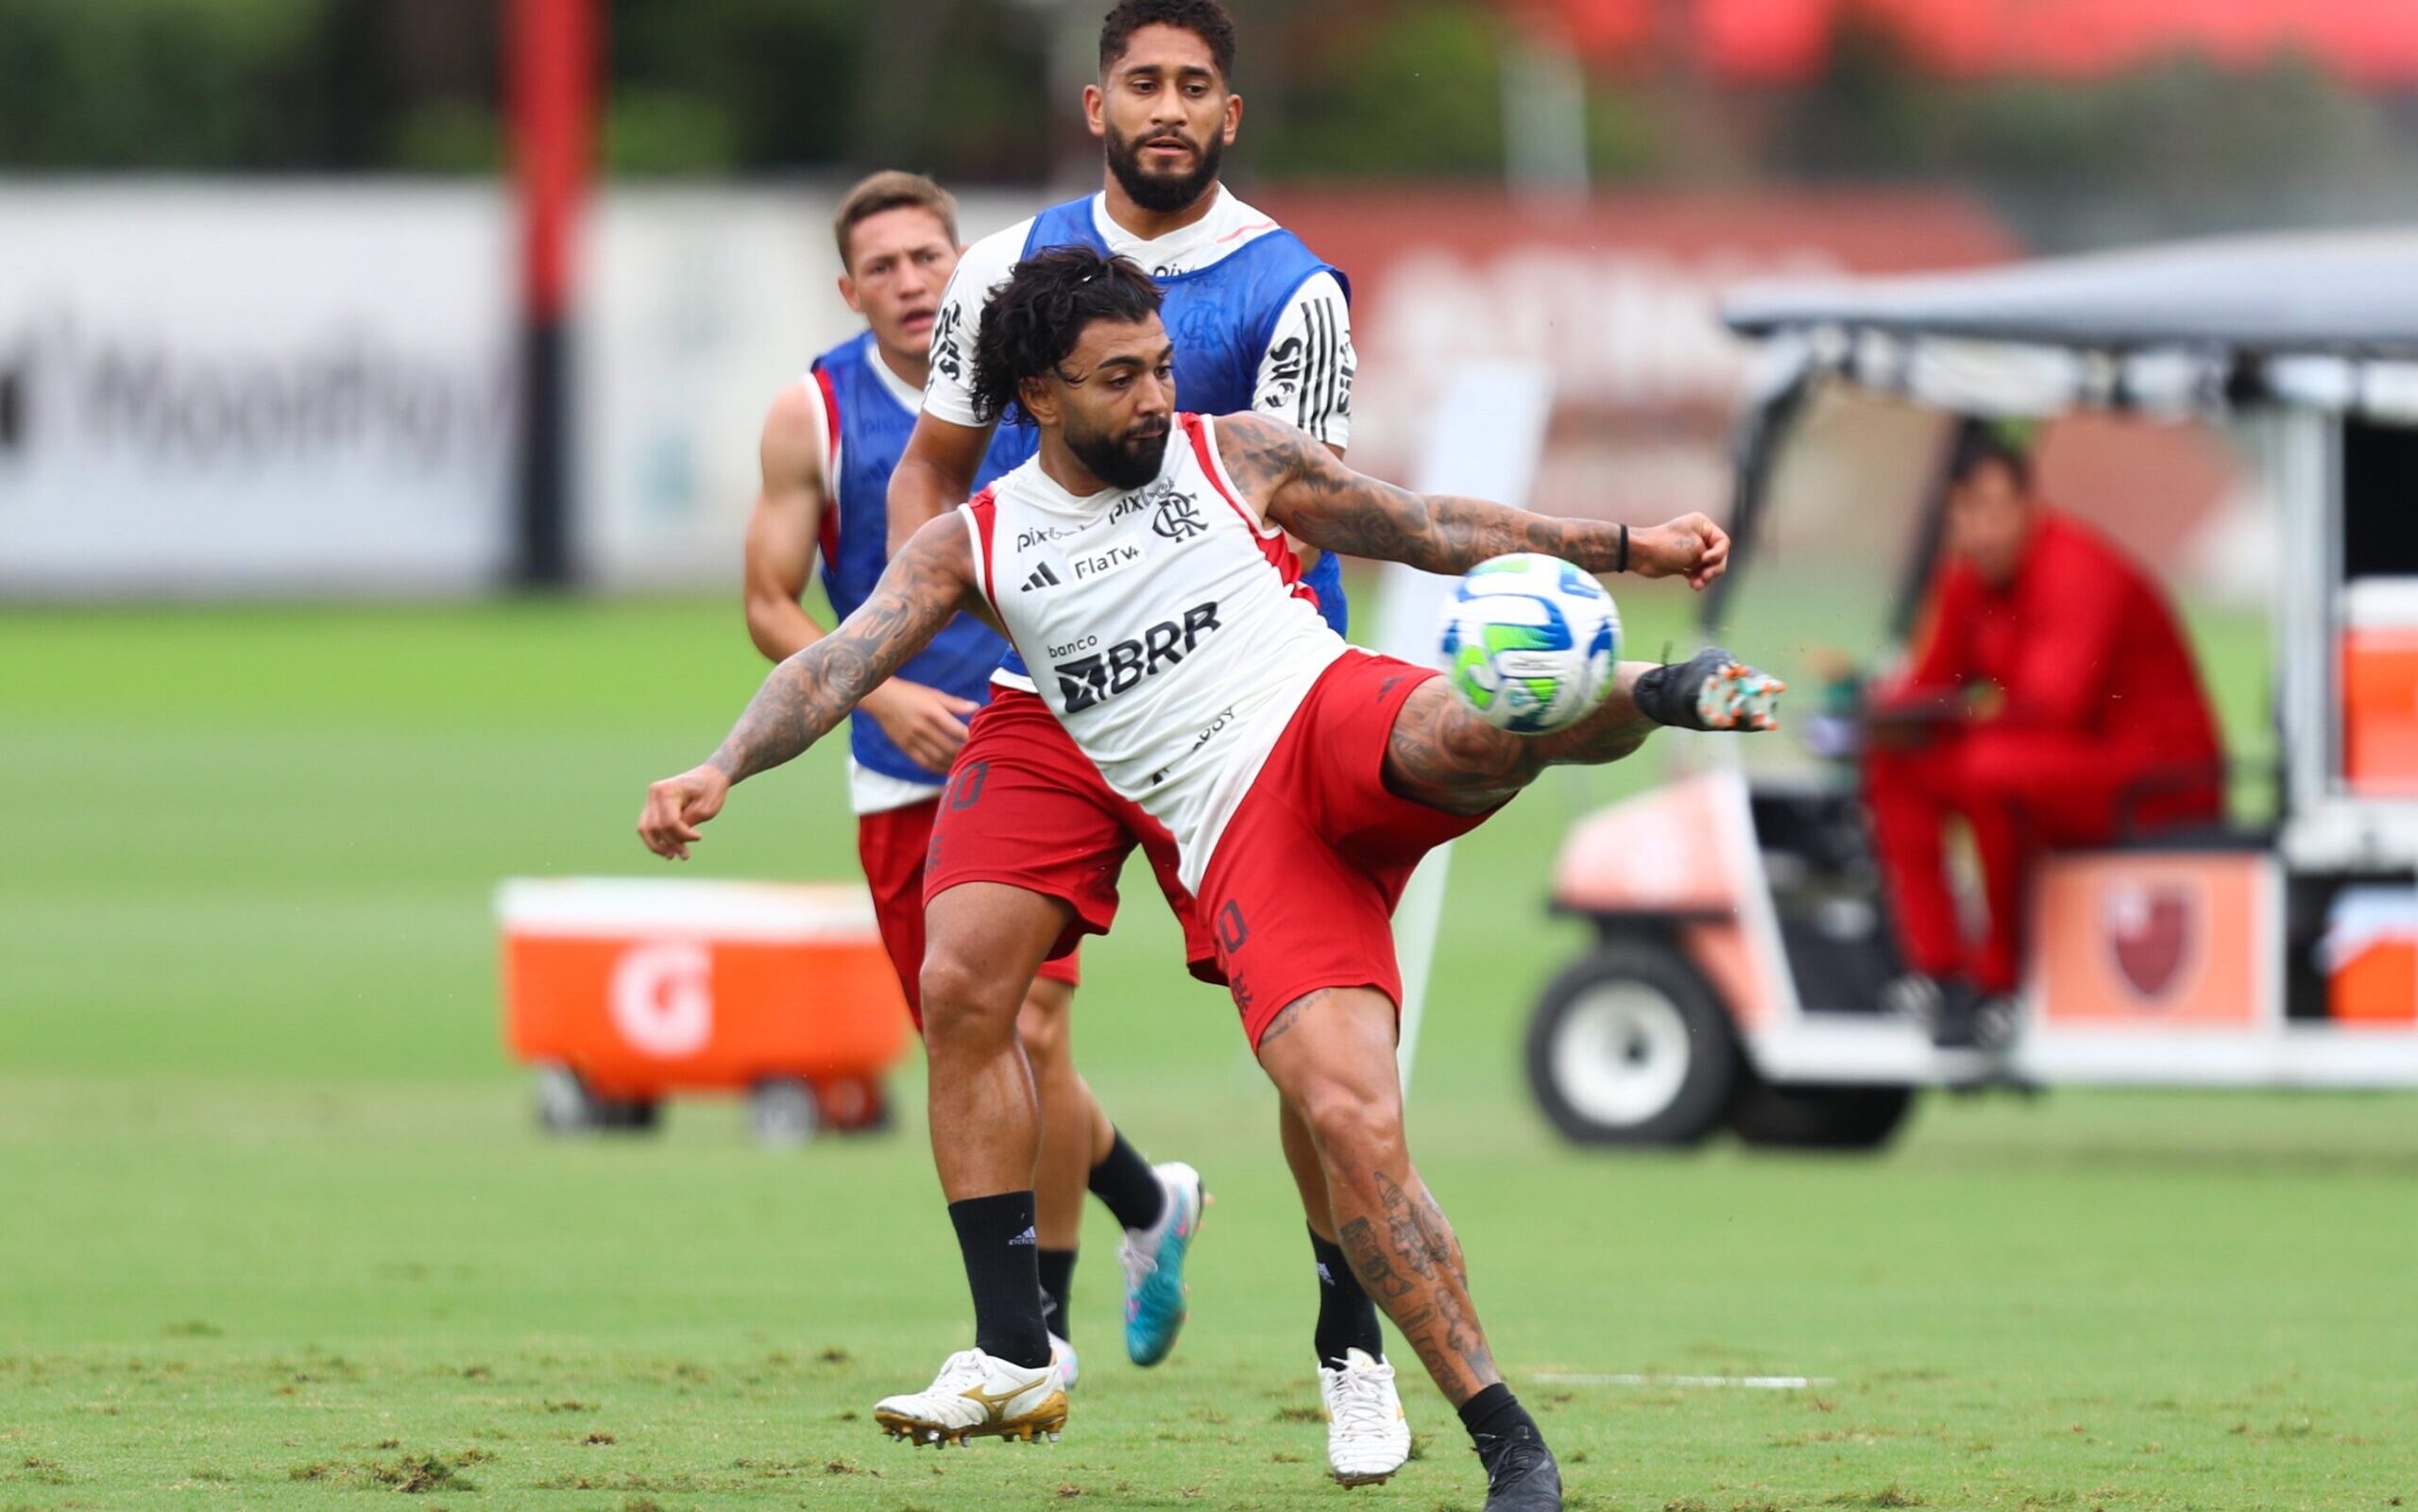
(852, 1104)
(568, 1105)
(1820, 1117)
(783, 1114)
(1631, 1046)
(629, 1115)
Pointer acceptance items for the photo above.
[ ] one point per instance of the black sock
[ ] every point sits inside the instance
(1347, 1318)
(1057, 1284)
(1125, 1181)
(1002, 1269)
(1497, 1424)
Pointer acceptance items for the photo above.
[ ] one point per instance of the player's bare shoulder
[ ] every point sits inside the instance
(936, 563)
(796, 436)
(1263, 453)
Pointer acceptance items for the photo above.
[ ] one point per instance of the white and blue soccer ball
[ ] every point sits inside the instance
(1530, 641)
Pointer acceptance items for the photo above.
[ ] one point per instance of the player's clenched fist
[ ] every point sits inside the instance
(1690, 547)
(676, 805)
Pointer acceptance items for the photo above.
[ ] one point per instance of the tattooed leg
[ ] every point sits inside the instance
(1444, 755)
(1331, 1056)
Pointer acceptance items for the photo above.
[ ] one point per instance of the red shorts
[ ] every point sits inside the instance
(1303, 885)
(891, 845)
(1027, 808)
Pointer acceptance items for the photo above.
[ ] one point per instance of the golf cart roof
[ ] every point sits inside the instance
(2318, 321)
(2323, 319)
(2352, 294)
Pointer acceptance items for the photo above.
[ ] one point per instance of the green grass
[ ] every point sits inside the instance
(276, 1230)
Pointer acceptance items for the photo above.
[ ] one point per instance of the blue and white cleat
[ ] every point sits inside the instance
(1062, 1355)
(1153, 1257)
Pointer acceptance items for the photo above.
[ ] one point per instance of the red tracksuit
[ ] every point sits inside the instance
(2100, 692)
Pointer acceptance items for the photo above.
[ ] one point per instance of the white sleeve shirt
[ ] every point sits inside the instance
(948, 392)
(1306, 375)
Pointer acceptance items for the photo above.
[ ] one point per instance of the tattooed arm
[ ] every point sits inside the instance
(1300, 486)
(805, 696)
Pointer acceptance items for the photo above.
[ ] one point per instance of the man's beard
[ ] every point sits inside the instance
(1154, 191)
(1123, 463)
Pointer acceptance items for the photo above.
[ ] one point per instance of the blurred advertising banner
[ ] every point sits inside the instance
(214, 387)
(1616, 294)
(700, 304)
(209, 389)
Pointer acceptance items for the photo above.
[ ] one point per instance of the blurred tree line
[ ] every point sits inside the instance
(971, 89)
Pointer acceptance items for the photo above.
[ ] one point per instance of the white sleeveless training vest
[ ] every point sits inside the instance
(1164, 625)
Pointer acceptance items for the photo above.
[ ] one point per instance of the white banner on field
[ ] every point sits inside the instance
(209, 388)
(1484, 440)
(700, 304)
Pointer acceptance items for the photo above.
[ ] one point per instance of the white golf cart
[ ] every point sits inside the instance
(1742, 944)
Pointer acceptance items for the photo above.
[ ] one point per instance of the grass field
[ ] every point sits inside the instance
(275, 1229)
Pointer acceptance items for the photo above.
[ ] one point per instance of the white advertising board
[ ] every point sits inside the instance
(700, 304)
(209, 389)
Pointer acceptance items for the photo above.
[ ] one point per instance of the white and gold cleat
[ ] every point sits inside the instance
(1367, 1435)
(979, 1396)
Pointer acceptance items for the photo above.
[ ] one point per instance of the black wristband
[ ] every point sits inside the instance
(1622, 564)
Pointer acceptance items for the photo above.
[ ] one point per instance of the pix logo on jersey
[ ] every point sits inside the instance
(1156, 493)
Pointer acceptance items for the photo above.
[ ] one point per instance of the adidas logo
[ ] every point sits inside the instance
(1326, 1277)
(1027, 1237)
(1042, 578)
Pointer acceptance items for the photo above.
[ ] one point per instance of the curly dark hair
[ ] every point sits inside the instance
(1205, 19)
(1035, 318)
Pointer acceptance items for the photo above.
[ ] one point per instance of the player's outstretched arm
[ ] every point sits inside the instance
(805, 696)
(1299, 484)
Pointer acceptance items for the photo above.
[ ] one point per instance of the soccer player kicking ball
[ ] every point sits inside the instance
(1026, 854)
(1302, 779)
(829, 443)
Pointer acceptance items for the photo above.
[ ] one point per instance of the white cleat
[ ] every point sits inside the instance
(977, 1396)
(1062, 1354)
(1367, 1435)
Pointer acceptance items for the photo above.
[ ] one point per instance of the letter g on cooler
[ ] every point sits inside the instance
(662, 997)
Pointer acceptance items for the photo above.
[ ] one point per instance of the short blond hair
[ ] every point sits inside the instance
(892, 189)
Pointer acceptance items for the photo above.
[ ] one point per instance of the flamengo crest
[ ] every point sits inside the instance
(2151, 932)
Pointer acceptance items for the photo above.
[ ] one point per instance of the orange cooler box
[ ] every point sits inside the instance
(2380, 688)
(648, 987)
(2370, 956)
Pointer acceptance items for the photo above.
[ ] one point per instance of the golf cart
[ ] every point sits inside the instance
(1742, 944)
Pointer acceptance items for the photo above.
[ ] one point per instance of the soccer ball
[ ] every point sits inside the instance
(1529, 641)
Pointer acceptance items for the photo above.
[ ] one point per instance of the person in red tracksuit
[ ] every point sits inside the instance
(2051, 701)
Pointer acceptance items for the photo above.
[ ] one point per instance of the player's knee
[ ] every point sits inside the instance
(962, 1001)
(1353, 1129)
(1041, 1022)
